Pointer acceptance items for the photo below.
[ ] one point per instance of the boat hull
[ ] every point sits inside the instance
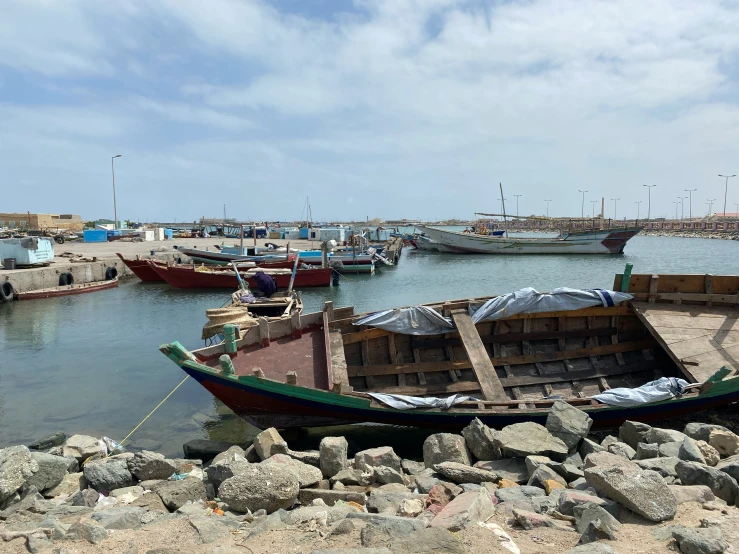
(67, 290)
(591, 242)
(142, 270)
(188, 278)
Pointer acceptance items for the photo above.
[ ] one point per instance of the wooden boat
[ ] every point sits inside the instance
(67, 290)
(516, 366)
(225, 258)
(194, 277)
(141, 269)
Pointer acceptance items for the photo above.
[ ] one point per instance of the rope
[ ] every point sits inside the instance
(150, 413)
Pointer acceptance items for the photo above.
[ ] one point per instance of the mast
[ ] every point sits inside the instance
(502, 203)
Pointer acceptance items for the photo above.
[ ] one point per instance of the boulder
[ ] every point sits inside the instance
(388, 501)
(567, 471)
(670, 449)
(432, 540)
(666, 467)
(351, 476)
(468, 508)
(529, 520)
(411, 507)
(225, 468)
(462, 473)
(119, 517)
(204, 449)
(269, 442)
(333, 455)
(128, 494)
(440, 495)
(51, 471)
(542, 475)
(509, 468)
(606, 459)
(445, 447)
(108, 474)
(533, 462)
(310, 457)
(588, 447)
(518, 495)
(209, 529)
(412, 467)
(57, 438)
(374, 457)
(644, 451)
(699, 541)
(81, 447)
(633, 432)
(568, 424)
(710, 454)
(427, 479)
(90, 531)
(661, 436)
(690, 452)
(569, 499)
(307, 475)
(307, 496)
(260, 487)
(722, 484)
(383, 529)
(388, 475)
(641, 491)
(622, 449)
(16, 466)
(146, 465)
(70, 484)
(175, 494)
(701, 431)
(592, 548)
(530, 439)
(724, 441)
(730, 465)
(692, 493)
(608, 441)
(305, 514)
(595, 523)
(480, 440)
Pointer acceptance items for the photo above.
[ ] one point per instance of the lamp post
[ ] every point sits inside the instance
(676, 204)
(690, 202)
(582, 207)
(649, 200)
(638, 207)
(710, 205)
(517, 197)
(115, 207)
(682, 207)
(726, 189)
(593, 202)
(547, 201)
(615, 213)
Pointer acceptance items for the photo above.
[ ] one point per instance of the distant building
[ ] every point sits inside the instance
(40, 221)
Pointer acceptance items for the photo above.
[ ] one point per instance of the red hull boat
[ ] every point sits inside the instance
(187, 277)
(67, 290)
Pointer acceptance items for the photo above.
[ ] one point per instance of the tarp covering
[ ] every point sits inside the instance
(663, 388)
(417, 320)
(530, 301)
(401, 402)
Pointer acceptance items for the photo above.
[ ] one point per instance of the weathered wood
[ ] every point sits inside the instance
(366, 334)
(517, 337)
(479, 358)
(328, 307)
(295, 325)
(680, 297)
(653, 286)
(417, 360)
(394, 359)
(446, 311)
(264, 331)
(709, 288)
(365, 362)
(291, 378)
(338, 360)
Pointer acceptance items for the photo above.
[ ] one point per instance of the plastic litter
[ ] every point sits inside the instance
(504, 539)
(105, 502)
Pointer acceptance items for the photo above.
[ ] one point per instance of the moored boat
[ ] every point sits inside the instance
(514, 359)
(67, 290)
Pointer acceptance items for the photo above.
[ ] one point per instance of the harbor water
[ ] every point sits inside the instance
(90, 363)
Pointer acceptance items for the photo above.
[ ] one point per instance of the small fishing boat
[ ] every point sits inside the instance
(200, 277)
(141, 269)
(502, 359)
(67, 290)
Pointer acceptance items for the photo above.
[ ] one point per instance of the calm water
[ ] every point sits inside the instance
(90, 364)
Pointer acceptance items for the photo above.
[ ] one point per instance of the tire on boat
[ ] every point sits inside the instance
(110, 273)
(66, 279)
(7, 292)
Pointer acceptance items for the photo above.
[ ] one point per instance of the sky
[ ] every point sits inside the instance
(390, 109)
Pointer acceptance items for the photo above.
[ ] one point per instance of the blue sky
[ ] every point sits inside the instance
(388, 109)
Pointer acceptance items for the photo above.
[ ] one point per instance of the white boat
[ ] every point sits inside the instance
(597, 241)
(425, 243)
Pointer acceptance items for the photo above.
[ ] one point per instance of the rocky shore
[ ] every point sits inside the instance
(692, 234)
(524, 489)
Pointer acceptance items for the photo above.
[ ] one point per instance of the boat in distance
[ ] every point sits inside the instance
(325, 368)
(595, 241)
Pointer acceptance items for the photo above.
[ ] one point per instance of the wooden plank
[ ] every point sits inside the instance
(481, 364)
(365, 362)
(327, 346)
(653, 286)
(417, 361)
(680, 297)
(367, 334)
(709, 288)
(393, 350)
(338, 359)
(499, 351)
(517, 337)
(598, 311)
(328, 308)
(431, 390)
(446, 312)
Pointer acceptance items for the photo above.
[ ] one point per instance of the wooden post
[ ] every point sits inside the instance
(226, 364)
(653, 285)
(295, 325)
(291, 378)
(257, 371)
(264, 331)
(328, 307)
(229, 338)
(709, 288)
(241, 241)
(626, 278)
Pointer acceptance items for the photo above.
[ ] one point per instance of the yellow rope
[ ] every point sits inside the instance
(151, 412)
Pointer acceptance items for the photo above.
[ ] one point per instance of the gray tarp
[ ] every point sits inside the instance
(417, 320)
(663, 388)
(401, 402)
(531, 301)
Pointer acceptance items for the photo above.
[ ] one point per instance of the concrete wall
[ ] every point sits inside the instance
(25, 280)
(41, 221)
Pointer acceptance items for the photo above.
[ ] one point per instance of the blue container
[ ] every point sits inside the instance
(95, 235)
(115, 233)
(303, 233)
(168, 234)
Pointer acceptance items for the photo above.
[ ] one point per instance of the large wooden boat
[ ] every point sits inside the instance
(67, 290)
(195, 277)
(321, 369)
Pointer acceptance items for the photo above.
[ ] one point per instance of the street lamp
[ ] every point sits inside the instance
(710, 205)
(638, 207)
(615, 215)
(726, 188)
(682, 207)
(582, 207)
(649, 201)
(115, 208)
(517, 197)
(593, 202)
(547, 201)
(676, 205)
(691, 191)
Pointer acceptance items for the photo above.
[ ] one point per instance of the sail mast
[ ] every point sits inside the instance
(502, 203)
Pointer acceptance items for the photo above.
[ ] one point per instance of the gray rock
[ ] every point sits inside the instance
(174, 494)
(606, 459)
(645, 451)
(147, 465)
(467, 509)
(661, 436)
(305, 514)
(533, 462)
(134, 492)
(16, 467)
(412, 467)
(461, 473)
(574, 459)
(426, 480)
(622, 449)
(722, 484)
(307, 475)
(670, 449)
(351, 476)
(592, 548)
(567, 471)
(268, 443)
(594, 523)
(543, 504)
(57, 438)
(689, 452)
(544, 473)
(310, 457)
(700, 541)
(513, 494)
(709, 453)
(480, 441)
(383, 456)
(307, 496)
(225, 468)
(730, 466)
(387, 475)
(388, 502)
(608, 441)
(666, 467)
(210, 529)
(87, 530)
(119, 517)
(69, 485)
(108, 474)
(333, 453)
(513, 469)
(692, 493)
(588, 447)
(51, 471)
(266, 487)
(568, 424)
(531, 520)
(530, 439)
(381, 533)
(432, 540)
(701, 431)
(81, 447)
(445, 447)
(570, 499)
(204, 449)
(641, 491)
(633, 432)
(85, 498)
